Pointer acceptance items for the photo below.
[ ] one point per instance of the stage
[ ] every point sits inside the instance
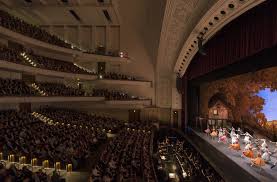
(229, 163)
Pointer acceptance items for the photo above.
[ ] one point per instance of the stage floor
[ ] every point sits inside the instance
(265, 174)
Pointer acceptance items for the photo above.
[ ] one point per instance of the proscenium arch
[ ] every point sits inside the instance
(222, 12)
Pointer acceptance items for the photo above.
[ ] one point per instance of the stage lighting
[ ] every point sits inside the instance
(200, 46)
(184, 174)
(172, 175)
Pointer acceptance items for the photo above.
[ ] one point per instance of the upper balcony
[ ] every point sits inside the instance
(17, 30)
(79, 55)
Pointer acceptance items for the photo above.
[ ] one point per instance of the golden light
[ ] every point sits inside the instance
(172, 175)
(1, 156)
(69, 168)
(11, 158)
(34, 162)
(57, 166)
(22, 160)
(45, 164)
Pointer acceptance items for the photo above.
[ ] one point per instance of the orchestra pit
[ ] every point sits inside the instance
(138, 90)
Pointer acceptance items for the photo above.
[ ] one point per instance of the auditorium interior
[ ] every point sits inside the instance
(138, 90)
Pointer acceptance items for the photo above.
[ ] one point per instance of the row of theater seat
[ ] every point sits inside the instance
(53, 134)
(127, 157)
(13, 173)
(21, 56)
(81, 118)
(70, 136)
(14, 87)
(18, 25)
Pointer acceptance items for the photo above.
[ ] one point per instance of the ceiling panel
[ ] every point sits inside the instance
(54, 12)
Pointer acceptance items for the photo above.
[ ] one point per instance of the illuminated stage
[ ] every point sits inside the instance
(229, 163)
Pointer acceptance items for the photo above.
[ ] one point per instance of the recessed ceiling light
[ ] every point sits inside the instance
(231, 6)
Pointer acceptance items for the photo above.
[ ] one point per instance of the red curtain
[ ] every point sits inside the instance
(247, 35)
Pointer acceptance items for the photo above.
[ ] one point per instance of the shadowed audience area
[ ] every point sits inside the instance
(22, 27)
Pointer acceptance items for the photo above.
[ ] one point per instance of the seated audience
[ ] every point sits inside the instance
(22, 27)
(126, 158)
(56, 89)
(72, 117)
(12, 173)
(55, 64)
(14, 55)
(10, 87)
(67, 136)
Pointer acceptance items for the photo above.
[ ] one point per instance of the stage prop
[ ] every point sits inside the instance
(246, 101)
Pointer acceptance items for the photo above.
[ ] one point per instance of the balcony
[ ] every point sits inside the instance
(42, 99)
(80, 56)
(38, 71)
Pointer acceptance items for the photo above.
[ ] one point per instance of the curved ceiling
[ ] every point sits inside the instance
(64, 12)
(180, 18)
(214, 19)
(184, 20)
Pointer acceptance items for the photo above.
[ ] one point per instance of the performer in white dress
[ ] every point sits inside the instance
(233, 136)
(266, 155)
(263, 145)
(233, 132)
(247, 137)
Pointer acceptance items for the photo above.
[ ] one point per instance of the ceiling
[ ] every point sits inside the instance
(180, 18)
(65, 12)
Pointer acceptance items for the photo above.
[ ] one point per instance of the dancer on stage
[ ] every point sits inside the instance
(263, 145)
(233, 136)
(214, 134)
(233, 132)
(247, 137)
(248, 151)
(235, 146)
(266, 155)
(258, 161)
(223, 137)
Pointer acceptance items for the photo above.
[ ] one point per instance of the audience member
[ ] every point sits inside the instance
(9, 87)
(22, 27)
